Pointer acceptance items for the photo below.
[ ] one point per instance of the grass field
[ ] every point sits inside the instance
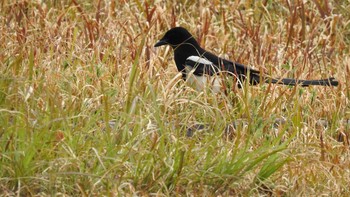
(88, 106)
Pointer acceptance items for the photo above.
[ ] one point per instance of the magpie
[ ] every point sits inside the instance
(199, 66)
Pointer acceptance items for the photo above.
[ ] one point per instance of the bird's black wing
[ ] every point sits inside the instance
(209, 64)
(201, 66)
(233, 68)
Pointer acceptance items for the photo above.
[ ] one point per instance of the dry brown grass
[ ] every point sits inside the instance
(70, 67)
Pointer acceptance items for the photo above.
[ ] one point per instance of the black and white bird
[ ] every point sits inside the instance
(202, 67)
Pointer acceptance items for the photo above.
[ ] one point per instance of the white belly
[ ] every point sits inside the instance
(203, 82)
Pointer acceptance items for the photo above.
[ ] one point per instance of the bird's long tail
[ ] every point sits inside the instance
(288, 81)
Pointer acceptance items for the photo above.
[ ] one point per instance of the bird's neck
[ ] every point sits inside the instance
(183, 51)
(188, 49)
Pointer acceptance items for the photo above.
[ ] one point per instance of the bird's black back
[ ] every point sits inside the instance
(220, 65)
(232, 68)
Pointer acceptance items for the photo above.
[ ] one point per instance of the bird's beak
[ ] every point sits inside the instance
(161, 43)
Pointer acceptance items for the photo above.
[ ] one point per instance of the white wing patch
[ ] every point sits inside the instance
(200, 60)
(203, 82)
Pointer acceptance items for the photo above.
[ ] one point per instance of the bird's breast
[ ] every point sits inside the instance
(203, 82)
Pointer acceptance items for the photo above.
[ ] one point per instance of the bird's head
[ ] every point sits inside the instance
(175, 37)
